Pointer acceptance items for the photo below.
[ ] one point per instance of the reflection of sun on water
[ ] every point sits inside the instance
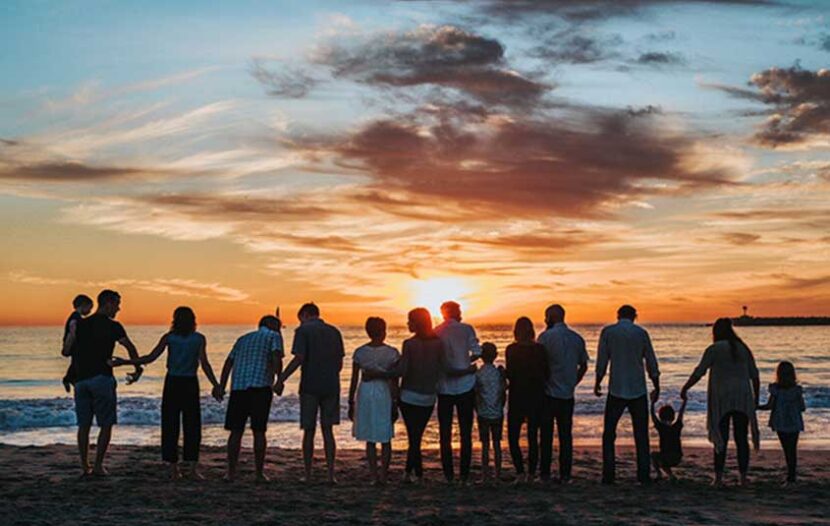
(432, 292)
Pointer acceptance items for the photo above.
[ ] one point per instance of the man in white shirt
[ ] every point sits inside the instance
(627, 346)
(456, 388)
(567, 365)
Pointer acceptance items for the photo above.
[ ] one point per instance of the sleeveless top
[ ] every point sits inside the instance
(183, 354)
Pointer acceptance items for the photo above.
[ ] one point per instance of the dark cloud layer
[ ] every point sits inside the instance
(444, 56)
(65, 171)
(799, 100)
(660, 58)
(569, 47)
(565, 166)
(284, 82)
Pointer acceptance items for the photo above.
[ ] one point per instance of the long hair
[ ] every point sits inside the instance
(523, 331)
(785, 375)
(723, 330)
(184, 321)
(421, 321)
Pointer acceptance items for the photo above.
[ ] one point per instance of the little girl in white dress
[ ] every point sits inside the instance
(373, 409)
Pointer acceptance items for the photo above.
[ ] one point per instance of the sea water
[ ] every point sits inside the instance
(35, 410)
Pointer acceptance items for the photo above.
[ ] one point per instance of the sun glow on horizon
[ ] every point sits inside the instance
(432, 292)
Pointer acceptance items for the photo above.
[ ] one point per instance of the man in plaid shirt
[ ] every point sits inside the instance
(255, 359)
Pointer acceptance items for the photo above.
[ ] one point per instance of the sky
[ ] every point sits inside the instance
(376, 156)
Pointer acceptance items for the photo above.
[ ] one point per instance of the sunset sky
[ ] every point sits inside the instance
(372, 156)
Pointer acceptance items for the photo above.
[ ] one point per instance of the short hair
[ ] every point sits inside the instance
(375, 327)
(489, 352)
(269, 320)
(555, 311)
(81, 300)
(627, 311)
(107, 296)
(451, 309)
(309, 309)
(666, 412)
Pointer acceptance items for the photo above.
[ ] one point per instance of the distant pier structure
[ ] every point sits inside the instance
(745, 320)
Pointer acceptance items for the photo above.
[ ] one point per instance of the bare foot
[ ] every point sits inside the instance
(332, 480)
(100, 471)
(744, 481)
(229, 477)
(717, 483)
(407, 478)
(262, 478)
(175, 474)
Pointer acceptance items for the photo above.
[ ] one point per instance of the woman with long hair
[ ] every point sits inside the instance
(731, 396)
(180, 404)
(420, 369)
(527, 367)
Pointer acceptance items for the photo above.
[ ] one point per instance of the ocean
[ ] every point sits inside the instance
(35, 410)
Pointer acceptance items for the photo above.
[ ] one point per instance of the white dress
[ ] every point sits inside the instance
(373, 404)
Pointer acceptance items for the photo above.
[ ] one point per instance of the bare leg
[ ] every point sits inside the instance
(175, 474)
(655, 460)
(485, 456)
(372, 461)
(386, 459)
(260, 445)
(308, 452)
(331, 451)
(104, 435)
(83, 448)
(234, 443)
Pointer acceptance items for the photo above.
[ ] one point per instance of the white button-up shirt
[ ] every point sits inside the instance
(565, 349)
(627, 346)
(460, 345)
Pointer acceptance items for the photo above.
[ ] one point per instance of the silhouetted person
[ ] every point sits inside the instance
(91, 347)
(180, 402)
(786, 401)
(318, 350)
(372, 401)
(668, 429)
(731, 396)
(456, 388)
(567, 362)
(627, 347)
(420, 369)
(82, 306)
(527, 367)
(254, 360)
(490, 398)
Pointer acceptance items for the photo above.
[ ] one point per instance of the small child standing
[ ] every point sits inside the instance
(490, 398)
(373, 399)
(82, 306)
(669, 429)
(786, 400)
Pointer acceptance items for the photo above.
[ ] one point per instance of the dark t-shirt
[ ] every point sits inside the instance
(76, 317)
(527, 370)
(95, 339)
(670, 446)
(321, 347)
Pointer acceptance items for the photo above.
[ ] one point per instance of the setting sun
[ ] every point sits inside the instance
(432, 292)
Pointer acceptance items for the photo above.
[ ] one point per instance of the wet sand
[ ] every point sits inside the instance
(40, 485)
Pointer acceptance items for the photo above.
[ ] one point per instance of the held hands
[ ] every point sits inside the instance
(351, 410)
(135, 376)
(597, 389)
(218, 393)
(684, 394)
(655, 395)
(279, 387)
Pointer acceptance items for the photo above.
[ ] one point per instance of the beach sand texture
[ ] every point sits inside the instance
(40, 485)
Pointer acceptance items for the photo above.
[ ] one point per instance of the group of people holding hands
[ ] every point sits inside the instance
(437, 366)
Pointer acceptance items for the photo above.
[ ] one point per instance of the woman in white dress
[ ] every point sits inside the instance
(374, 409)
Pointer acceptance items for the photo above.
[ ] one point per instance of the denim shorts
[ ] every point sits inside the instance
(96, 396)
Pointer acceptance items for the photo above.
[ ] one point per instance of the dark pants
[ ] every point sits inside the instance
(560, 412)
(789, 441)
(516, 416)
(415, 418)
(614, 409)
(740, 426)
(464, 404)
(180, 405)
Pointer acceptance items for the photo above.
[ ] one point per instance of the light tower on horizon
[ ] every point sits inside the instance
(745, 309)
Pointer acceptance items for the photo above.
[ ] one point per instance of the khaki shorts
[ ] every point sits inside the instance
(328, 406)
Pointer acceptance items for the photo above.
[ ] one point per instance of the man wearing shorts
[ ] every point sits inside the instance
(318, 350)
(255, 358)
(92, 345)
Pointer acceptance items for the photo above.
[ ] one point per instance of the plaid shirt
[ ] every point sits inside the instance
(251, 355)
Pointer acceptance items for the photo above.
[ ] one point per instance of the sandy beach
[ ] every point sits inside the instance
(40, 485)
